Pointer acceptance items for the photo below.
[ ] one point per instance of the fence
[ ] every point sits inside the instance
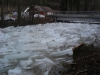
(37, 20)
(24, 21)
(78, 12)
(70, 16)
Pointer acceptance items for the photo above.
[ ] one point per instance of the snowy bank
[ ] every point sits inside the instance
(34, 50)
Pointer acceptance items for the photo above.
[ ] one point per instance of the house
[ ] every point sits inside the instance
(12, 14)
(40, 10)
(23, 8)
(47, 10)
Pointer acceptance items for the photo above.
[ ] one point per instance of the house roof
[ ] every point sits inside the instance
(43, 8)
(46, 9)
(40, 8)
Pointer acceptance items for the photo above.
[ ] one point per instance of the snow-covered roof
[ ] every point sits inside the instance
(46, 9)
(40, 8)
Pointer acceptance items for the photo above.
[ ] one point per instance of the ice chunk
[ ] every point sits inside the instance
(53, 44)
(26, 64)
(37, 55)
(69, 61)
(5, 50)
(48, 39)
(16, 71)
(88, 38)
(18, 56)
(44, 65)
(57, 42)
(97, 41)
(60, 60)
(5, 65)
(72, 42)
(98, 32)
(34, 46)
(3, 37)
(61, 53)
(4, 61)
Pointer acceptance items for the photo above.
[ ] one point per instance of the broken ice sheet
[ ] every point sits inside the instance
(61, 53)
(40, 46)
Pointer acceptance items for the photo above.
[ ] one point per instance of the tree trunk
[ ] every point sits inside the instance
(2, 17)
(64, 5)
(34, 3)
(19, 12)
(86, 5)
(78, 5)
(31, 10)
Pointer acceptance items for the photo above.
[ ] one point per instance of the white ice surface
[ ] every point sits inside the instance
(39, 47)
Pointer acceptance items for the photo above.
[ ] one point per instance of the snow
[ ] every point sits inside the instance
(34, 50)
(26, 64)
(26, 9)
(35, 15)
(39, 15)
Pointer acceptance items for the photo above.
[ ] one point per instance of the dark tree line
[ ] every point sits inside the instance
(65, 5)
(69, 5)
(80, 5)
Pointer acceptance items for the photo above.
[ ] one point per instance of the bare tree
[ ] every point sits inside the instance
(78, 5)
(64, 5)
(32, 10)
(19, 12)
(2, 6)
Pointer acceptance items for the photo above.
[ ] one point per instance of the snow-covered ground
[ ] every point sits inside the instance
(34, 50)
